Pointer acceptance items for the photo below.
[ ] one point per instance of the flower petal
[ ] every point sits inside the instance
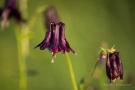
(109, 68)
(54, 45)
(114, 65)
(64, 45)
(49, 35)
(119, 65)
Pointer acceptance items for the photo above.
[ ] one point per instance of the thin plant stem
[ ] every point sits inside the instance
(21, 61)
(71, 72)
(92, 72)
(23, 46)
(90, 76)
(25, 41)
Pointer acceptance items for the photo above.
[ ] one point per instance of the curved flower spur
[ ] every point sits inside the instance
(51, 15)
(55, 40)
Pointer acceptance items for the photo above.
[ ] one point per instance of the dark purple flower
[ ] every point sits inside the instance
(10, 11)
(55, 39)
(114, 68)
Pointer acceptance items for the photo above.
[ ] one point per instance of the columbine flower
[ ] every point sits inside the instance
(9, 11)
(55, 40)
(114, 68)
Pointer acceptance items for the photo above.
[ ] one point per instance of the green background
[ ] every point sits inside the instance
(90, 24)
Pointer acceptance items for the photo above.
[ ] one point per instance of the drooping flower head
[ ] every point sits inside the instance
(55, 40)
(114, 68)
(9, 11)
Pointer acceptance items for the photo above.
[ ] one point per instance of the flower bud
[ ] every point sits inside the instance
(114, 68)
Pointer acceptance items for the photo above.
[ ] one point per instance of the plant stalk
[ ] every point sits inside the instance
(71, 72)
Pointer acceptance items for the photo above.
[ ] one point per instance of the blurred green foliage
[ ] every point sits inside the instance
(89, 25)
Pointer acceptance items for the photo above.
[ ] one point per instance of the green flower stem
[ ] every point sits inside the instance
(71, 72)
(22, 67)
(23, 46)
(25, 41)
(90, 76)
(21, 61)
(38, 11)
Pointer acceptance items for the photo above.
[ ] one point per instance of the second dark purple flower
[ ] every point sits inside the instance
(10, 11)
(114, 68)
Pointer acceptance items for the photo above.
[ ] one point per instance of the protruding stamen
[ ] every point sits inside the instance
(75, 53)
(53, 56)
(52, 60)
